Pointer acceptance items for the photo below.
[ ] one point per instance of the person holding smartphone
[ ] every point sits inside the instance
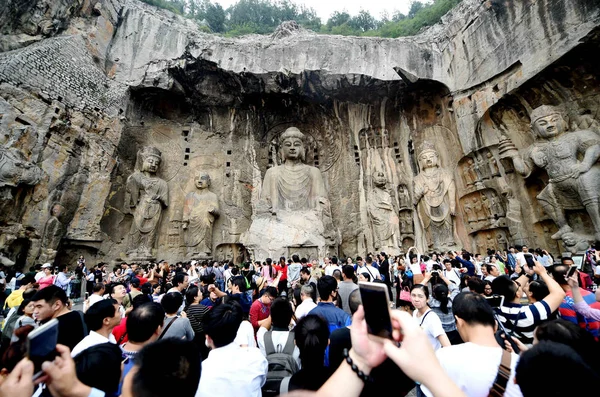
(581, 306)
(522, 319)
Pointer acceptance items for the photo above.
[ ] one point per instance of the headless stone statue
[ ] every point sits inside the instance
(146, 197)
(435, 196)
(385, 222)
(200, 209)
(571, 160)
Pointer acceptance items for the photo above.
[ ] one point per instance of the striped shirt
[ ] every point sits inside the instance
(529, 317)
(567, 311)
(195, 313)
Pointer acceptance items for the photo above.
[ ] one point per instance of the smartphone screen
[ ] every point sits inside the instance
(529, 260)
(41, 345)
(495, 301)
(377, 310)
(572, 271)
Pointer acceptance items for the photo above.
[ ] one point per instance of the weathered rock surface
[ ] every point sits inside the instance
(85, 84)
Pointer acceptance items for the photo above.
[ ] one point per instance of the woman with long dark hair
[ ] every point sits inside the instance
(312, 338)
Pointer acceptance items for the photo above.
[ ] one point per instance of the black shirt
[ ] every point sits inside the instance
(70, 329)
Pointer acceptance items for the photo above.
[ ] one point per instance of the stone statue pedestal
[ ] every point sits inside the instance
(273, 236)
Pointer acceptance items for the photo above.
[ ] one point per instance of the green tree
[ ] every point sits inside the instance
(338, 19)
(415, 7)
(215, 16)
(363, 22)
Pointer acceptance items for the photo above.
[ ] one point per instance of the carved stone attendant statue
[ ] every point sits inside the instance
(469, 175)
(146, 196)
(435, 196)
(199, 212)
(293, 209)
(404, 197)
(571, 160)
(494, 169)
(53, 233)
(386, 230)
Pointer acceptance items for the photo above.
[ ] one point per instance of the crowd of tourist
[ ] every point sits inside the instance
(512, 323)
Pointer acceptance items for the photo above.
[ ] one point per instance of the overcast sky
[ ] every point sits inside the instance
(325, 8)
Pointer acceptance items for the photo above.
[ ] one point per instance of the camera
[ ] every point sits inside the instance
(436, 267)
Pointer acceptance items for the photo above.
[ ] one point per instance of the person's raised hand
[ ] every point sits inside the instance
(60, 375)
(539, 269)
(368, 352)
(415, 356)
(19, 383)
(573, 280)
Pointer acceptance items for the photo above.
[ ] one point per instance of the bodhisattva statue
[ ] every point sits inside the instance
(200, 209)
(435, 197)
(386, 229)
(571, 160)
(293, 209)
(146, 196)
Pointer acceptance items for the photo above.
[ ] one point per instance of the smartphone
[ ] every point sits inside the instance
(529, 260)
(87, 295)
(376, 303)
(41, 345)
(495, 301)
(571, 271)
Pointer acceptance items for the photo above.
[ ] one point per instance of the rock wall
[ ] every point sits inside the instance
(82, 95)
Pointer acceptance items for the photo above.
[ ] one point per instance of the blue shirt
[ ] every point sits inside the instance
(470, 267)
(335, 317)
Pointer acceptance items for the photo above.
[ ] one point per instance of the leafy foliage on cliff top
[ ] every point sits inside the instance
(263, 16)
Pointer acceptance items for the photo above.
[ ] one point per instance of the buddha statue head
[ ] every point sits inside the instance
(151, 158)
(428, 156)
(547, 122)
(291, 145)
(202, 180)
(379, 179)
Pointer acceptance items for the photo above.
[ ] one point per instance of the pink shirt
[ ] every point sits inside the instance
(46, 281)
(265, 273)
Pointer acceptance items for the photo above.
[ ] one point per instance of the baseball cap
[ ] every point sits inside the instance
(46, 265)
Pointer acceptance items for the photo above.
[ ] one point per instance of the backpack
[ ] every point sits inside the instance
(282, 365)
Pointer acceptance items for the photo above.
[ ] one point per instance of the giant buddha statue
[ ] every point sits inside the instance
(435, 198)
(571, 160)
(293, 209)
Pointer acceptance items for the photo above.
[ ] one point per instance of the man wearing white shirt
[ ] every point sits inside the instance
(520, 255)
(331, 267)
(100, 318)
(306, 294)
(373, 272)
(229, 369)
(451, 273)
(473, 365)
(96, 296)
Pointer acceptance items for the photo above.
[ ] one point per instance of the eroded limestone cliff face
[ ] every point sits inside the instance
(85, 84)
